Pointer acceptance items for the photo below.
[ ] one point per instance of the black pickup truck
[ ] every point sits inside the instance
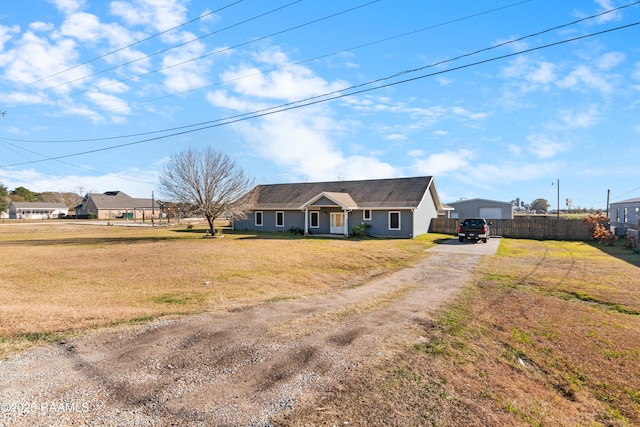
(474, 229)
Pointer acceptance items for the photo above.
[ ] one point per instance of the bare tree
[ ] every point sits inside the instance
(209, 182)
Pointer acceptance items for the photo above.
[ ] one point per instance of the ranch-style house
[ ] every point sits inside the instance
(116, 204)
(37, 210)
(397, 207)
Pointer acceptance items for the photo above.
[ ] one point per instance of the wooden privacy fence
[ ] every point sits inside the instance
(543, 228)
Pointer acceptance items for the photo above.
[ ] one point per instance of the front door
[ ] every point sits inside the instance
(337, 223)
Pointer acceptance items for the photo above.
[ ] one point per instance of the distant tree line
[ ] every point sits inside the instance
(543, 206)
(22, 194)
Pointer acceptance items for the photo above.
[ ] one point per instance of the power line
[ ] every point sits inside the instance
(161, 51)
(619, 196)
(133, 44)
(285, 66)
(216, 52)
(261, 72)
(294, 105)
(8, 146)
(370, 82)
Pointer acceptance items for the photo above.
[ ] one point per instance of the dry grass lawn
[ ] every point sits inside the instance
(59, 279)
(548, 335)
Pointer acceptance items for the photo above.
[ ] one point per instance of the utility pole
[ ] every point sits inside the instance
(608, 194)
(153, 208)
(558, 210)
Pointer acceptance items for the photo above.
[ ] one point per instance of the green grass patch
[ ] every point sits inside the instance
(437, 346)
(178, 299)
(280, 298)
(520, 336)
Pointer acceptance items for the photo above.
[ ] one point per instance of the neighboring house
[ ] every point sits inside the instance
(37, 210)
(446, 211)
(399, 207)
(625, 214)
(481, 208)
(116, 204)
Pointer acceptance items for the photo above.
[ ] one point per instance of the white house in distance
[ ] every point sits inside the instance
(481, 208)
(37, 210)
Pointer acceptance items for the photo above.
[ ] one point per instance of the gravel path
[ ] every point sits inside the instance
(236, 368)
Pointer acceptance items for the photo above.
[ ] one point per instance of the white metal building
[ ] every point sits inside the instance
(625, 214)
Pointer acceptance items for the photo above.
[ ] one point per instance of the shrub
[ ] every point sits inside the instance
(295, 230)
(360, 230)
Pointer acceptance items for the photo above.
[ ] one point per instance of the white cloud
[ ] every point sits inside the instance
(109, 102)
(68, 6)
(291, 83)
(532, 72)
(515, 149)
(396, 137)
(515, 46)
(584, 76)
(610, 60)
(488, 174)
(544, 147)
(439, 164)
(612, 16)
(301, 141)
(182, 74)
(41, 27)
(157, 14)
(361, 167)
(34, 58)
(82, 26)
(111, 85)
(587, 118)
(304, 141)
(6, 33)
(543, 74)
(36, 181)
(460, 111)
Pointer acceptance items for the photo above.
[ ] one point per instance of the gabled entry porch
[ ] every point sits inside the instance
(331, 207)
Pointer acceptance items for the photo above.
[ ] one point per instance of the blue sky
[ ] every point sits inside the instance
(99, 94)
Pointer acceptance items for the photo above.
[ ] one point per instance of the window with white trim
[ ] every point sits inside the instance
(314, 219)
(258, 218)
(366, 215)
(394, 220)
(280, 219)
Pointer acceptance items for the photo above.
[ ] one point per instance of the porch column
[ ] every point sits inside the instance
(346, 222)
(306, 221)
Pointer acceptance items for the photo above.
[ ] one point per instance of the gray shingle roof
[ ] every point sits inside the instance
(38, 205)
(118, 200)
(367, 194)
(635, 200)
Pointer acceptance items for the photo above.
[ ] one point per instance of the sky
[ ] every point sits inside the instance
(499, 99)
